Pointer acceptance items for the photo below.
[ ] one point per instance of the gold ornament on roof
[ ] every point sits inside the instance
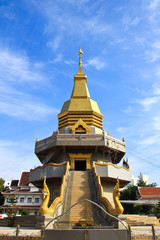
(80, 53)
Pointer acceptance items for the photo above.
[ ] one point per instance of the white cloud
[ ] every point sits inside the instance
(156, 123)
(17, 68)
(152, 55)
(127, 110)
(127, 21)
(25, 108)
(12, 155)
(147, 103)
(58, 59)
(156, 87)
(95, 62)
(156, 45)
(154, 4)
(70, 21)
(121, 129)
(149, 141)
(55, 43)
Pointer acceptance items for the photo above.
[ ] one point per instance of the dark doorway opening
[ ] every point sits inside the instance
(80, 165)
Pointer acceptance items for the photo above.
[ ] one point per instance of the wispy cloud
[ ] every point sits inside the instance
(12, 155)
(128, 110)
(96, 62)
(55, 43)
(149, 141)
(147, 103)
(17, 68)
(156, 123)
(25, 108)
(154, 4)
(71, 20)
(58, 59)
(127, 21)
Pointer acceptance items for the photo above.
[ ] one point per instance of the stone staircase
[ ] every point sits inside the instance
(140, 220)
(80, 187)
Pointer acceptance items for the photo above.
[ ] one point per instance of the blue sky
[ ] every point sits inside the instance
(39, 41)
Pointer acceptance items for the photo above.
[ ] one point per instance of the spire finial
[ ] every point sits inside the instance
(80, 71)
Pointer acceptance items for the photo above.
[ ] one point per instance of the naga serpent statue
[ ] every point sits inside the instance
(118, 209)
(44, 210)
(114, 210)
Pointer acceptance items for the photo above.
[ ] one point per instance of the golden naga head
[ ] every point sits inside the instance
(45, 190)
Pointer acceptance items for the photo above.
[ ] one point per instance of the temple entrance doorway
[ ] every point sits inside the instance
(80, 161)
(80, 165)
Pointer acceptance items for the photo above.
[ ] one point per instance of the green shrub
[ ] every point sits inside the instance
(24, 212)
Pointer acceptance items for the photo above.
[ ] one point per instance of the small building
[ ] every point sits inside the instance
(140, 178)
(28, 197)
(149, 194)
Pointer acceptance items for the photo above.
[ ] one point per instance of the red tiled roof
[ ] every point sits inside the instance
(27, 191)
(24, 181)
(149, 191)
(23, 191)
(14, 183)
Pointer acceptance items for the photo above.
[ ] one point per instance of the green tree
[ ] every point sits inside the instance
(12, 209)
(1, 184)
(143, 184)
(1, 190)
(156, 210)
(24, 212)
(12, 200)
(130, 193)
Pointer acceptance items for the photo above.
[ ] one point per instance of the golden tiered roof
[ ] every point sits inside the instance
(80, 106)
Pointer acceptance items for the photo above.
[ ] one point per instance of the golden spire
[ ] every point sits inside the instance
(80, 71)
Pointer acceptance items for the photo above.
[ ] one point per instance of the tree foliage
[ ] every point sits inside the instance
(24, 212)
(1, 184)
(1, 190)
(156, 210)
(131, 193)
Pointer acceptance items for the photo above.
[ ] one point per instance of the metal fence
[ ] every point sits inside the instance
(144, 232)
(19, 235)
(151, 232)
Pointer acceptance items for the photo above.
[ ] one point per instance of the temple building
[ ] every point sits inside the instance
(80, 161)
(27, 196)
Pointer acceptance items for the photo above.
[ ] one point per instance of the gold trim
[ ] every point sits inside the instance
(80, 156)
(48, 164)
(109, 163)
(80, 112)
(80, 122)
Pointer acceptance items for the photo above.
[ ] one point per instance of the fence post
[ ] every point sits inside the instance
(153, 232)
(42, 232)
(129, 232)
(17, 232)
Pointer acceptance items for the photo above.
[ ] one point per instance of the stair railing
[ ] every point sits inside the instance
(83, 200)
(64, 194)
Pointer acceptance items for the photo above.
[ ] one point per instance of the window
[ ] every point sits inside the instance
(21, 199)
(29, 200)
(36, 200)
